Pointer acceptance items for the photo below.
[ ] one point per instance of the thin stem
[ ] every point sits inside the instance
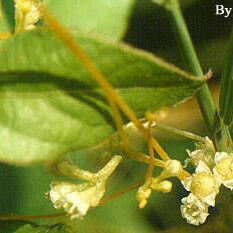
(95, 73)
(179, 132)
(204, 98)
(119, 123)
(151, 156)
(111, 94)
(13, 218)
(105, 200)
(120, 193)
(161, 152)
(144, 158)
(190, 57)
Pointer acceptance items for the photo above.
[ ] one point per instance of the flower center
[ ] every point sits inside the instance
(203, 184)
(192, 209)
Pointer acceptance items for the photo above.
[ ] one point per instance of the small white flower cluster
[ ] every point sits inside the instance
(204, 185)
(77, 199)
(27, 14)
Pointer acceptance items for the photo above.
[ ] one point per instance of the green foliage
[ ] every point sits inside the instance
(118, 216)
(11, 226)
(59, 107)
(56, 228)
(6, 16)
(50, 106)
(105, 17)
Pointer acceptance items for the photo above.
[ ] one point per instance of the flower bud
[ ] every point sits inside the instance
(172, 168)
(143, 195)
(163, 187)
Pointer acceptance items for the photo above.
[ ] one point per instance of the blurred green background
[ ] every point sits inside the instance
(22, 189)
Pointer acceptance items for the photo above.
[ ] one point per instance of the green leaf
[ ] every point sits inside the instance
(56, 228)
(105, 17)
(50, 105)
(11, 226)
(226, 88)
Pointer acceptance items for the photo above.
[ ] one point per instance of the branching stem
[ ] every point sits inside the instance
(110, 92)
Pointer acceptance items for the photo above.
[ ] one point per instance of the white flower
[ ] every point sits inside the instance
(76, 199)
(27, 13)
(204, 152)
(203, 184)
(194, 210)
(223, 169)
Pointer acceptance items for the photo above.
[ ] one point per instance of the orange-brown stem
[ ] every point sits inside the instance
(161, 152)
(151, 156)
(97, 76)
(14, 218)
(120, 193)
(145, 159)
(95, 73)
(119, 123)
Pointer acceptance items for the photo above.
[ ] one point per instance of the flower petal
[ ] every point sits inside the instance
(187, 183)
(210, 200)
(219, 156)
(228, 184)
(202, 168)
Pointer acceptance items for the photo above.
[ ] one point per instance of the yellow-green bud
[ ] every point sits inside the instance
(143, 194)
(172, 168)
(163, 187)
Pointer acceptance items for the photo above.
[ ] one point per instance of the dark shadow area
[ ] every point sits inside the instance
(151, 29)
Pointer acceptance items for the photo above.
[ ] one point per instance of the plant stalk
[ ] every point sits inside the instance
(210, 114)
